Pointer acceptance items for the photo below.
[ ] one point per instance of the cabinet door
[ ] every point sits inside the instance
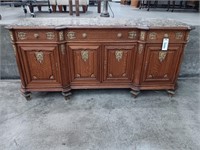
(161, 66)
(85, 61)
(118, 63)
(40, 66)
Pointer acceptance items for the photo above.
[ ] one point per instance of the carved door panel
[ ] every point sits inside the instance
(118, 63)
(41, 66)
(85, 63)
(161, 66)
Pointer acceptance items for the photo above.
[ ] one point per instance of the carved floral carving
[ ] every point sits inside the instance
(78, 75)
(14, 49)
(50, 35)
(39, 56)
(62, 49)
(61, 36)
(21, 35)
(162, 56)
(11, 36)
(124, 74)
(84, 55)
(92, 76)
(71, 35)
(142, 35)
(132, 35)
(140, 49)
(34, 77)
(118, 55)
(110, 75)
(51, 77)
(153, 36)
(179, 35)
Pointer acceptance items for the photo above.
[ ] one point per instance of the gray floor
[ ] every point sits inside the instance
(11, 14)
(101, 119)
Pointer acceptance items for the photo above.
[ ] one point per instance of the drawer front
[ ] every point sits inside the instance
(101, 34)
(174, 36)
(85, 63)
(35, 35)
(119, 61)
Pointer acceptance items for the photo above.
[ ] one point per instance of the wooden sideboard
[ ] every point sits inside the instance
(93, 56)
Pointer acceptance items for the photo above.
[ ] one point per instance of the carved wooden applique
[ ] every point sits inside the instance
(118, 55)
(61, 36)
(51, 77)
(162, 56)
(132, 35)
(50, 35)
(36, 35)
(21, 35)
(92, 76)
(14, 48)
(84, 55)
(140, 49)
(179, 35)
(11, 36)
(39, 56)
(62, 49)
(142, 35)
(153, 36)
(71, 35)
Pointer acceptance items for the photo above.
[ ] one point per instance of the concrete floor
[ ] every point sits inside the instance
(120, 11)
(100, 119)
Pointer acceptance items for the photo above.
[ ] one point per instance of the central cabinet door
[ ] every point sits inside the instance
(85, 63)
(119, 63)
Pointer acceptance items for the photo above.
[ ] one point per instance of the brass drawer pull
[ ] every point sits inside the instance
(36, 35)
(84, 35)
(119, 35)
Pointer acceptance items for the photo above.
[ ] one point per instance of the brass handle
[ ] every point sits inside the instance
(119, 35)
(36, 35)
(166, 35)
(84, 35)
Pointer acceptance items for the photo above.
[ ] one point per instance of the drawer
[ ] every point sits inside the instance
(174, 36)
(35, 35)
(101, 34)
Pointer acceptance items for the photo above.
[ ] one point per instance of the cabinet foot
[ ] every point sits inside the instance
(135, 93)
(66, 95)
(171, 93)
(27, 95)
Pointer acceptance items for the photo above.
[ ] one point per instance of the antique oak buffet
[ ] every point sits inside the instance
(64, 54)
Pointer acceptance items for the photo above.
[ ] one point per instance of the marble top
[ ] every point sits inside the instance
(96, 22)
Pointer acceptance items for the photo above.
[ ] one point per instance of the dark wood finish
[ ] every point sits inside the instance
(70, 7)
(52, 59)
(77, 7)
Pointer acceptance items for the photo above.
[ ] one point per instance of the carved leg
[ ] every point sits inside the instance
(135, 93)
(66, 95)
(27, 95)
(171, 93)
